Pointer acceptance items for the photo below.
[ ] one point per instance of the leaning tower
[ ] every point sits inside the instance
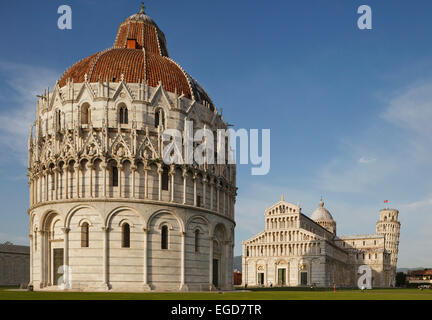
(389, 226)
(103, 202)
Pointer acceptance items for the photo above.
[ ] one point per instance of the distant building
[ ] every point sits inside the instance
(295, 250)
(14, 265)
(423, 276)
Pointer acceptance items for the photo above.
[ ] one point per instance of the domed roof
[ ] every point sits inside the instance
(321, 213)
(139, 54)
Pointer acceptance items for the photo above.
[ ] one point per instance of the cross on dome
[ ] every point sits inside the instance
(142, 9)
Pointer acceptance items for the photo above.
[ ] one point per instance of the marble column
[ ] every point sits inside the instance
(31, 257)
(195, 189)
(134, 169)
(90, 168)
(56, 182)
(105, 266)
(46, 185)
(204, 191)
(211, 194)
(66, 268)
(217, 197)
(183, 285)
(159, 172)
(67, 182)
(185, 175)
(211, 286)
(146, 285)
(77, 168)
(40, 178)
(120, 180)
(146, 169)
(105, 168)
(223, 200)
(172, 180)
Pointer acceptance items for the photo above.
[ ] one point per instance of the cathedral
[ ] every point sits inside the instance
(295, 250)
(106, 213)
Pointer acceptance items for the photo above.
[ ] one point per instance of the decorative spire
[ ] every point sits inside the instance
(282, 197)
(321, 203)
(142, 9)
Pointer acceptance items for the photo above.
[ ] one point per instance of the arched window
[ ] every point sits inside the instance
(159, 118)
(197, 240)
(58, 119)
(124, 116)
(126, 236)
(164, 237)
(85, 114)
(85, 235)
(114, 176)
(165, 178)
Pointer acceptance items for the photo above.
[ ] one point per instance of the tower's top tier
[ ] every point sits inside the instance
(139, 54)
(389, 215)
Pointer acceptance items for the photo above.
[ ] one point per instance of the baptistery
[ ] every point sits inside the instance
(106, 211)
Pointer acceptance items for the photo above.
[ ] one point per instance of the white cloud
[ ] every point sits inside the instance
(365, 160)
(347, 176)
(23, 83)
(412, 110)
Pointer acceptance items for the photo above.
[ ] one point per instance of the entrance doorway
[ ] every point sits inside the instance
(281, 277)
(216, 272)
(304, 278)
(58, 262)
(261, 278)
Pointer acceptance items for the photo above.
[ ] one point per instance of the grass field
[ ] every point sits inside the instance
(377, 294)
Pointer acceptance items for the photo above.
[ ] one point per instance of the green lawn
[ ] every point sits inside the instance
(378, 294)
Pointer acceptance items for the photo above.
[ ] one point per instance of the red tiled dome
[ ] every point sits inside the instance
(139, 54)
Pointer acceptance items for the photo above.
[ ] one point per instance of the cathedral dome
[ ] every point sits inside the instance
(321, 213)
(139, 54)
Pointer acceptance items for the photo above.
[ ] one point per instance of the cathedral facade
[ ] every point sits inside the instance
(295, 250)
(106, 212)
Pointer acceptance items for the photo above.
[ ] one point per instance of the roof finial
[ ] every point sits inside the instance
(142, 9)
(282, 197)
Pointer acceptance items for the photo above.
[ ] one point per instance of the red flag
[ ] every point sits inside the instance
(385, 201)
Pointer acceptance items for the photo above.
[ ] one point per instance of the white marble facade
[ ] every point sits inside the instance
(295, 250)
(103, 202)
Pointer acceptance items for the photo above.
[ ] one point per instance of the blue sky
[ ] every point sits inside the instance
(350, 111)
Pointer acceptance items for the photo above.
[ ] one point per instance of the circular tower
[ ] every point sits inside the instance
(106, 213)
(324, 218)
(389, 226)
